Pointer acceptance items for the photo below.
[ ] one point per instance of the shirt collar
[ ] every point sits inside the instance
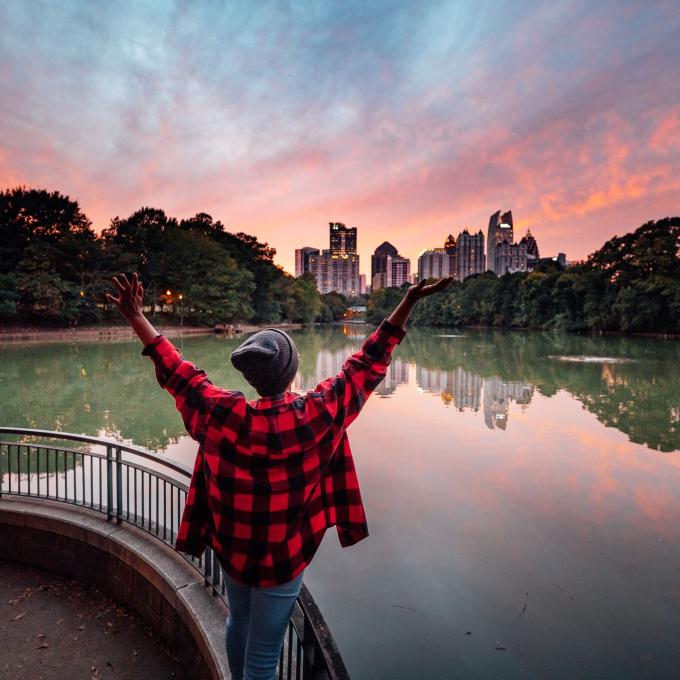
(282, 398)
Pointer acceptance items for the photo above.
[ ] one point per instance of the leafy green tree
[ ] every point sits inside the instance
(47, 243)
(652, 249)
(29, 216)
(270, 291)
(214, 288)
(477, 300)
(303, 303)
(383, 301)
(333, 306)
(9, 296)
(143, 237)
(39, 285)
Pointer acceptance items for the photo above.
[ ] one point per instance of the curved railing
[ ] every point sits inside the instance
(132, 485)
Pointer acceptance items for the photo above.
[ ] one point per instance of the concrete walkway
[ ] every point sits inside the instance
(54, 628)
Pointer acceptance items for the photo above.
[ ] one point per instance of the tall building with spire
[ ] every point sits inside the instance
(510, 257)
(532, 246)
(500, 229)
(450, 248)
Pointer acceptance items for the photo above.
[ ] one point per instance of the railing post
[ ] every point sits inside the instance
(207, 566)
(308, 650)
(109, 481)
(119, 485)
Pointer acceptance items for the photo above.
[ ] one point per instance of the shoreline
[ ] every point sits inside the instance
(92, 333)
(88, 334)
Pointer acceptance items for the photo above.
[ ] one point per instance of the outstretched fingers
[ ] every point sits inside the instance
(110, 298)
(135, 284)
(436, 287)
(118, 284)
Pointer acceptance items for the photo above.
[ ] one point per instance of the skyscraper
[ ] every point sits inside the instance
(336, 269)
(469, 254)
(388, 268)
(343, 239)
(379, 258)
(500, 229)
(511, 257)
(450, 248)
(433, 264)
(302, 259)
(532, 246)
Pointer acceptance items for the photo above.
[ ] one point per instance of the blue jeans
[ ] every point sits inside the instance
(256, 626)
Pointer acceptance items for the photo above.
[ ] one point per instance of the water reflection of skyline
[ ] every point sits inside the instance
(92, 387)
(460, 388)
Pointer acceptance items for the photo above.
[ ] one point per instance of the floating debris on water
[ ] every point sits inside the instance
(562, 590)
(526, 604)
(581, 359)
(449, 336)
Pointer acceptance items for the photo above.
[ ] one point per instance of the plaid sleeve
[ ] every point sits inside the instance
(345, 394)
(195, 396)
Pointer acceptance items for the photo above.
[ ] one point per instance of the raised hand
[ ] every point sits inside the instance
(130, 298)
(399, 316)
(420, 290)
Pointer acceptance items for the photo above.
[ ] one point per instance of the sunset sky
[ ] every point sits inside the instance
(409, 120)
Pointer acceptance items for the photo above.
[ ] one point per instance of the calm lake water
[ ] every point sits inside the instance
(522, 492)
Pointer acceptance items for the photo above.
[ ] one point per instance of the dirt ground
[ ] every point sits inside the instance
(54, 628)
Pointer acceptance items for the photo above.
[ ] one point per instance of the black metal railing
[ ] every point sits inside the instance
(132, 485)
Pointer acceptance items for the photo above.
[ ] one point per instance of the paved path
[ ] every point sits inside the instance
(54, 628)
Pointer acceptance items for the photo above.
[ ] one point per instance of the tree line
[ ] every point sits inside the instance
(55, 270)
(631, 284)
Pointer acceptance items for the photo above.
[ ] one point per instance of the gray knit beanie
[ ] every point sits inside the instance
(268, 360)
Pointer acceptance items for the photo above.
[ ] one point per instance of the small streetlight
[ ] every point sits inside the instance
(180, 297)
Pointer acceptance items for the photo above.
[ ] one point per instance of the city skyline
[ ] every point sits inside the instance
(459, 257)
(405, 120)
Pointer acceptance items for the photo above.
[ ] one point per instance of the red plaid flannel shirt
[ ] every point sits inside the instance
(272, 474)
